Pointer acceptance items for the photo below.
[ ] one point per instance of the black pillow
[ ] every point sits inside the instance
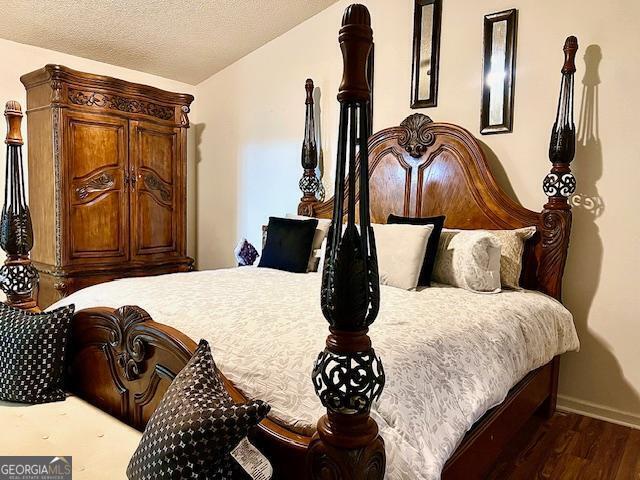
(432, 244)
(288, 245)
(32, 354)
(195, 427)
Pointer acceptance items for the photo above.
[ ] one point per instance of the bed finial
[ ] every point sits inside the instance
(308, 86)
(356, 39)
(559, 184)
(309, 183)
(348, 375)
(18, 277)
(13, 115)
(570, 49)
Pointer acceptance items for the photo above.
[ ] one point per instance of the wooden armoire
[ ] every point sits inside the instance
(107, 179)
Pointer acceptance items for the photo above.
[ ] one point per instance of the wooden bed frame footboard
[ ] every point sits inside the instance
(123, 362)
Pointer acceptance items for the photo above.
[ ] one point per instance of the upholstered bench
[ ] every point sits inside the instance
(101, 445)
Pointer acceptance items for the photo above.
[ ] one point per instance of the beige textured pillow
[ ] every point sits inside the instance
(401, 249)
(512, 250)
(468, 259)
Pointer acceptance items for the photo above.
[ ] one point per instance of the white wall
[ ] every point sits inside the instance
(18, 59)
(250, 130)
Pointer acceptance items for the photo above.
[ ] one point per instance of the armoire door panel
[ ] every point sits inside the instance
(158, 146)
(154, 236)
(157, 172)
(96, 141)
(103, 239)
(96, 156)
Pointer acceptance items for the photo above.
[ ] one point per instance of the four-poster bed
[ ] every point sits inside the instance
(122, 361)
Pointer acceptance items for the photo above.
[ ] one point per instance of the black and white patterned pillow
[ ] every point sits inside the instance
(32, 354)
(229, 469)
(195, 427)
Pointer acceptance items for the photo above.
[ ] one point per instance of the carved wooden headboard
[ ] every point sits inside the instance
(423, 168)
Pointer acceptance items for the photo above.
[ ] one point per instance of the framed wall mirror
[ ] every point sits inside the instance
(500, 31)
(427, 18)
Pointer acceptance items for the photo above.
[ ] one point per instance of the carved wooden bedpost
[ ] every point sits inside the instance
(309, 183)
(348, 376)
(560, 183)
(18, 277)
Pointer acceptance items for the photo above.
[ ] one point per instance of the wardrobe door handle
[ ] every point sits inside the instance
(132, 179)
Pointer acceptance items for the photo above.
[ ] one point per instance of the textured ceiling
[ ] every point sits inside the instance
(186, 40)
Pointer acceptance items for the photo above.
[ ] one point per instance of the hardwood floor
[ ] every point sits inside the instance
(570, 446)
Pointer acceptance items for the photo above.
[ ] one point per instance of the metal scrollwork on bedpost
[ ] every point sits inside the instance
(348, 375)
(309, 183)
(18, 277)
(560, 183)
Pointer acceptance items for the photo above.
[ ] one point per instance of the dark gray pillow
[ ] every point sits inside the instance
(195, 427)
(32, 354)
(289, 243)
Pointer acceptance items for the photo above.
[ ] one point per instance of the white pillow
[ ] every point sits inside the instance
(400, 250)
(321, 255)
(469, 259)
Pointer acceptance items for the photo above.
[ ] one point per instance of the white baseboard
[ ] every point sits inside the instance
(588, 409)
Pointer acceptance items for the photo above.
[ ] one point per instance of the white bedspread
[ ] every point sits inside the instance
(449, 354)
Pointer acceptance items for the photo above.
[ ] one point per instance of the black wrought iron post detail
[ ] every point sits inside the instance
(348, 375)
(18, 277)
(559, 184)
(309, 183)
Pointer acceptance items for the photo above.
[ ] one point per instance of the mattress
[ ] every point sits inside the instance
(449, 355)
(100, 445)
